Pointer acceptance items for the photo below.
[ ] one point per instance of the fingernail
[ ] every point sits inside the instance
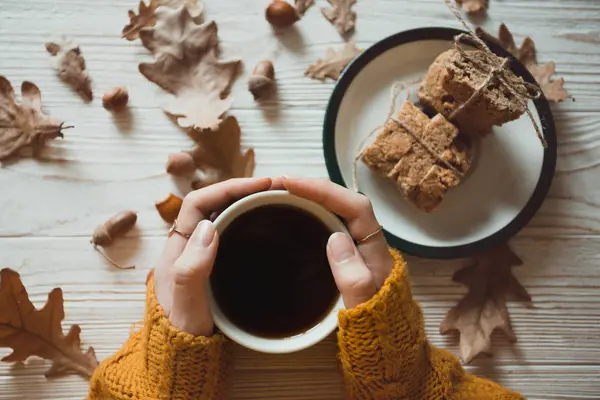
(340, 247)
(206, 233)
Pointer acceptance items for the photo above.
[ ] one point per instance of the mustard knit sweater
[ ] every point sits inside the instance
(383, 351)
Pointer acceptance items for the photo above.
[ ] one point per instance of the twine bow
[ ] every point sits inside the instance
(497, 69)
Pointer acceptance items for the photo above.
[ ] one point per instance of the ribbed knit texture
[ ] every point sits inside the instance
(160, 362)
(384, 353)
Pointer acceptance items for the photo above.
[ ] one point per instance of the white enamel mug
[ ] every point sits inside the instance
(276, 345)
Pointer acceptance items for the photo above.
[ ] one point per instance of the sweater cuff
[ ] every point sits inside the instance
(396, 289)
(161, 326)
(178, 360)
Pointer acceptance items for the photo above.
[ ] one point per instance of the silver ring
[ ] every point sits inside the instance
(370, 235)
(174, 230)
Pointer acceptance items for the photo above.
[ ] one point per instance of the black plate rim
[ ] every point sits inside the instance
(543, 108)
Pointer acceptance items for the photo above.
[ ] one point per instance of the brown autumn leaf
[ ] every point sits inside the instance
(146, 17)
(169, 207)
(303, 5)
(24, 125)
(340, 14)
(334, 62)
(70, 65)
(473, 6)
(187, 65)
(483, 309)
(527, 54)
(31, 332)
(219, 157)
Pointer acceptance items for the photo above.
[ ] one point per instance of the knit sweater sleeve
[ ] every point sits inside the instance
(385, 353)
(159, 362)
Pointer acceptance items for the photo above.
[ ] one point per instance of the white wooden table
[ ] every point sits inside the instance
(49, 208)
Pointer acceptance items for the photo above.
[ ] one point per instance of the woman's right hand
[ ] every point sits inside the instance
(359, 270)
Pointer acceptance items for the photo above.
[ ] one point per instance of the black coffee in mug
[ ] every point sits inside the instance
(271, 277)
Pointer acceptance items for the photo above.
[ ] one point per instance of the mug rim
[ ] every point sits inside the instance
(287, 344)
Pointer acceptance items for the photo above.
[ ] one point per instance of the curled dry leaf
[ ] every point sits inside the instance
(340, 14)
(70, 65)
(219, 157)
(303, 5)
(187, 66)
(334, 62)
(117, 225)
(473, 6)
(527, 54)
(483, 309)
(194, 7)
(169, 207)
(31, 332)
(24, 125)
(146, 17)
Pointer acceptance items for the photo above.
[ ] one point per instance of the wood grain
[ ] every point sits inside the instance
(558, 333)
(107, 164)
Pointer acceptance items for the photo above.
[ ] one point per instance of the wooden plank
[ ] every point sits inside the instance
(113, 158)
(49, 208)
(541, 382)
(558, 334)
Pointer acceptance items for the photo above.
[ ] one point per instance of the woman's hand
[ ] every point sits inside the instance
(359, 271)
(182, 273)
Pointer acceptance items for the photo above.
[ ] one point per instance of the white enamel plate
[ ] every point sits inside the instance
(508, 181)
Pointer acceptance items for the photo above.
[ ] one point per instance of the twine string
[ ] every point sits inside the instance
(498, 71)
(397, 88)
(496, 67)
(490, 78)
(438, 157)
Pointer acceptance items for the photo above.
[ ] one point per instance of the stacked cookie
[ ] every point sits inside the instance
(425, 157)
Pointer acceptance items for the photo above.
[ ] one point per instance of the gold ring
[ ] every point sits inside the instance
(174, 230)
(370, 235)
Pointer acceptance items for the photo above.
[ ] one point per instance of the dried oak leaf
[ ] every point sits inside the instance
(146, 17)
(219, 157)
(473, 6)
(70, 65)
(303, 5)
(334, 62)
(31, 332)
(527, 54)
(187, 66)
(340, 14)
(24, 125)
(483, 309)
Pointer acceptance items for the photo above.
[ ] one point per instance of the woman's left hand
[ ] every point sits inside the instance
(360, 269)
(182, 272)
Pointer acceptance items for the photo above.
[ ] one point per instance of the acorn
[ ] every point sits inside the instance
(180, 164)
(262, 81)
(115, 99)
(281, 14)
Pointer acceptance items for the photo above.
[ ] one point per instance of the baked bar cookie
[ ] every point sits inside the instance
(416, 171)
(452, 79)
